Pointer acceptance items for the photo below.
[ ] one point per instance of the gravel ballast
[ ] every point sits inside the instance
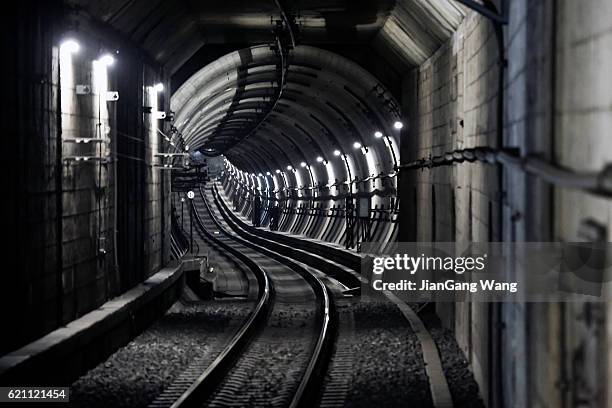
(461, 382)
(387, 367)
(377, 363)
(135, 374)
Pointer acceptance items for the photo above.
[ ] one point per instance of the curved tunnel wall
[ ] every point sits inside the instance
(330, 136)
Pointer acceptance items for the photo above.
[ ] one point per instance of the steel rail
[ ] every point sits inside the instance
(309, 386)
(438, 383)
(206, 383)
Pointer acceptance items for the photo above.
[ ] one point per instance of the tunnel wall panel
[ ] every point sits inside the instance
(62, 212)
(455, 108)
(556, 107)
(582, 123)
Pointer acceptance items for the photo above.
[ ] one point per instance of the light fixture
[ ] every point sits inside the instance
(303, 164)
(159, 87)
(378, 134)
(267, 173)
(186, 147)
(398, 125)
(278, 171)
(337, 152)
(357, 145)
(260, 175)
(289, 167)
(69, 46)
(107, 60)
(319, 159)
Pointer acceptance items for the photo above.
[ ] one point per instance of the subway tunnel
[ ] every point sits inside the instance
(238, 203)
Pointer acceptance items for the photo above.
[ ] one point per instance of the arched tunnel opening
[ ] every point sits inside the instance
(306, 203)
(332, 135)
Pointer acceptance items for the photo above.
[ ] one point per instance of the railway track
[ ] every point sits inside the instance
(201, 377)
(280, 354)
(345, 267)
(282, 359)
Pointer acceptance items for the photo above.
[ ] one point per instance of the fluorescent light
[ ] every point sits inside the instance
(278, 171)
(398, 125)
(289, 167)
(107, 60)
(159, 87)
(378, 134)
(337, 152)
(319, 159)
(70, 46)
(357, 145)
(303, 164)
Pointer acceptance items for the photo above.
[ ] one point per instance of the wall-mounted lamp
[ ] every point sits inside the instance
(70, 46)
(398, 125)
(320, 159)
(159, 87)
(303, 164)
(357, 145)
(107, 60)
(378, 134)
(337, 152)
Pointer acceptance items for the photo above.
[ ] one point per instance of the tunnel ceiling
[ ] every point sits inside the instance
(329, 103)
(405, 32)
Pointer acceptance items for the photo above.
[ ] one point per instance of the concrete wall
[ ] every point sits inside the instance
(582, 123)
(62, 213)
(457, 102)
(557, 105)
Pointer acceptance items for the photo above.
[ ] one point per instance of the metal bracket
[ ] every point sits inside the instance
(85, 140)
(101, 159)
(171, 154)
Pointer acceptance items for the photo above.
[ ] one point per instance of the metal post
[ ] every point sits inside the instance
(191, 228)
(350, 222)
(182, 213)
(59, 203)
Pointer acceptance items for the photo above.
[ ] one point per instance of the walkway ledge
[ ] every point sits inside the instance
(63, 355)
